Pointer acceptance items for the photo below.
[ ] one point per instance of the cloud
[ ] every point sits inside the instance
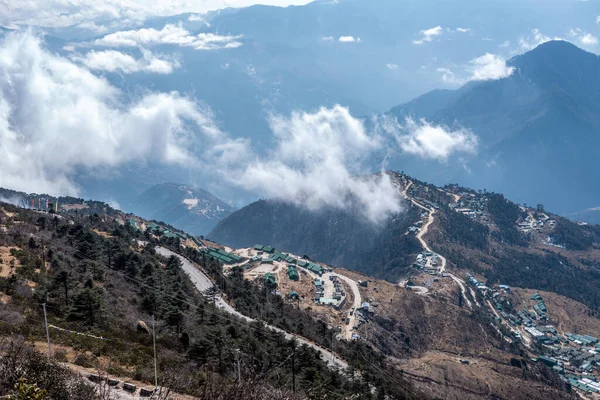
(598, 19)
(428, 35)
(489, 67)
(57, 118)
(198, 18)
(463, 30)
(348, 39)
(392, 67)
(93, 26)
(506, 43)
(429, 141)
(327, 39)
(583, 38)
(115, 61)
(169, 34)
(315, 161)
(450, 77)
(536, 38)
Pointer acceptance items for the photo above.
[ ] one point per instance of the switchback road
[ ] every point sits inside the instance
(203, 283)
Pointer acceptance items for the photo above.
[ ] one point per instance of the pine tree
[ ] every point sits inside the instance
(86, 305)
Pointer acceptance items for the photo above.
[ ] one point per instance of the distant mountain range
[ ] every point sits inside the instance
(189, 208)
(537, 129)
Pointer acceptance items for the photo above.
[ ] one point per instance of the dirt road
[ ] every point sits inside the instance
(423, 231)
(203, 282)
(355, 305)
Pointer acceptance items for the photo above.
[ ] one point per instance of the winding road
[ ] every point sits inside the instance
(355, 306)
(203, 283)
(424, 229)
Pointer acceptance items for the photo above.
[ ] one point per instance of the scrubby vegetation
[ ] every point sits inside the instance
(505, 215)
(96, 278)
(463, 230)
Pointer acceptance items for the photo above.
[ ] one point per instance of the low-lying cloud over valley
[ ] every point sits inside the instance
(58, 117)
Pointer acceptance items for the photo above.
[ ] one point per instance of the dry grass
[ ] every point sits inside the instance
(5, 268)
(441, 375)
(565, 314)
(105, 235)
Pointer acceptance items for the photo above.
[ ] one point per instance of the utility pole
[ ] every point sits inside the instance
(294, 367)
(154, 345)
(108, 250)
(47, 331)
(43, 258)
(237, 360)
(332, 345)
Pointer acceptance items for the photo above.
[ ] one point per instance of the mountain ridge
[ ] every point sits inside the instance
(541, 119)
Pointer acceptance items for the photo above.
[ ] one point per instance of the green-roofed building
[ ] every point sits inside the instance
(293, 273)
(270, 279)
(294, 295)
(258, 247)
(268, 249)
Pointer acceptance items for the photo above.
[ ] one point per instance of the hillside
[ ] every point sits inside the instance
(331, 236)
(100, 276)
(536, 129)
(480, 232)
(188, 208)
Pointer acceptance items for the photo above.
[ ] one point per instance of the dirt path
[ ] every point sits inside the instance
(203, 282)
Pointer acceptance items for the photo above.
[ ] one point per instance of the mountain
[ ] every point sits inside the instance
(185, 207)
(105, 290)
(488, 235)
(333, 236)
(107, 286)
(537, 129)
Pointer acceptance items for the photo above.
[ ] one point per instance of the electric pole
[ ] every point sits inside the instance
(47, 331)
(294, 367)
(237, 360)
(154, 345)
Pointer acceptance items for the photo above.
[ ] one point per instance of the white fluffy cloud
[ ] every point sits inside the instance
(348, 39)
(115, 61)
(583, 38)
(392, 67)
(434, 141)
(169, 34)
(484, 68)
(57, 117)
(315, 161)
(428, 35)
(489, 67)
(463, 30)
